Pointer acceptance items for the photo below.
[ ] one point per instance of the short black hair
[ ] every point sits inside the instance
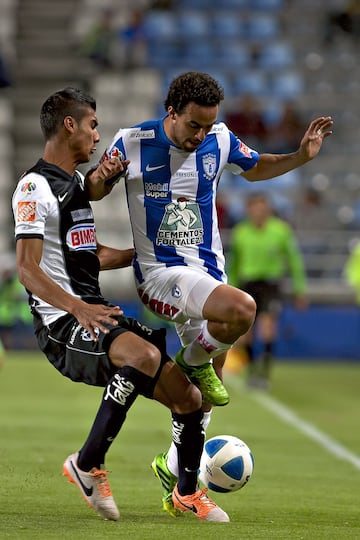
(258, 196)
(67, 102)
(196, 87)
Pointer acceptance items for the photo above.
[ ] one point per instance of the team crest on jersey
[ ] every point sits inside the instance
(181, 224)
(86, 336)
(81, 237)
(28, 187)
(209, 166)
(116, 153)
(176, 291)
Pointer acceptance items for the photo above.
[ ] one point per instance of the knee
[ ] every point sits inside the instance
(143, 356)
(245, 311)
(148, 359)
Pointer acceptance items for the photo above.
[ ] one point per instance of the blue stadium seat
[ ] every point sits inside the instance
(233, 55)
(271, 5)
(193, 24)
(196, 4)
(224, 79)
(234, 4)
(160, 25)
(262, 26)
(251, 82)
(201, 56)
(162, 55)
(276, 55)
(287, 85)
(227, 25)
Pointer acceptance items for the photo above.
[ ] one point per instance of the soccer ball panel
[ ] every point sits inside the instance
(226, 465)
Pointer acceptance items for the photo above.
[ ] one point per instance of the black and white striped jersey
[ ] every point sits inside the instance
(51, 205)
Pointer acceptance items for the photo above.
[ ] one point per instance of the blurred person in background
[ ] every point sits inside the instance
(247, 121)
(132, 46)
(352, 271)
(343, 21)
(112, 44)
(5, 80)
(285, 133)
(15, 317)
(262, 252)
(2, 354)
(100, 40)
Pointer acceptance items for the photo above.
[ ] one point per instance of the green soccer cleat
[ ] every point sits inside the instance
(204, 377)
(168, 482)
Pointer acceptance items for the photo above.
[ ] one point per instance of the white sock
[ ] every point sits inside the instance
(172, 460)
(203, 348)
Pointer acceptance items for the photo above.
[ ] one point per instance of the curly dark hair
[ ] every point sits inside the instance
(196, 87)
(67, 102)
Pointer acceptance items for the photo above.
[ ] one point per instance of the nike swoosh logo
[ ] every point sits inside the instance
(62, 197)
(88, 491)
(192, 508)
(149, 168)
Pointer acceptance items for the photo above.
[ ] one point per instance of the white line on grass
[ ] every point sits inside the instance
(287, 415)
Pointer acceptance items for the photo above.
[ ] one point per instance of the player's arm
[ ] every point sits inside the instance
(111, 258)
(31, 275)
(272, 165)
(297, 269)
(233, 259)
(100, 181)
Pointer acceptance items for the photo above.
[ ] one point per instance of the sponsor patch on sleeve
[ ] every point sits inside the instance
(245, 149)
(26, 211)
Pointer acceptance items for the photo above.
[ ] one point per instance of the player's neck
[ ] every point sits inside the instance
(53, 154)
(167, 129)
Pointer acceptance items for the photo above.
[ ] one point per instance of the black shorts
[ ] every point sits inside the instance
(72, 351)
(267, 295)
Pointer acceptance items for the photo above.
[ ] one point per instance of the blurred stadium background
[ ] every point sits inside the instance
(280, 51)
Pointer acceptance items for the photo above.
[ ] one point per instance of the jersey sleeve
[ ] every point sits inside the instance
(31, 203)
(116, 148)
(295, 262)
(241, 157)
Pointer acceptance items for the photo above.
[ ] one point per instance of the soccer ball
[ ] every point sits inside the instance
(226, 464)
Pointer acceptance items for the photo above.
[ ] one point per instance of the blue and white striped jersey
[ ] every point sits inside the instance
(171, 195)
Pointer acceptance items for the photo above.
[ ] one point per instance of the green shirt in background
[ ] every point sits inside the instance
(267, 253)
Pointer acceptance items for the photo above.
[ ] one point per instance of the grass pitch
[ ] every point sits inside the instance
(300, 489)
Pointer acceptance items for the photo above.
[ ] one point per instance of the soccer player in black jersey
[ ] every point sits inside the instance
(84, 336)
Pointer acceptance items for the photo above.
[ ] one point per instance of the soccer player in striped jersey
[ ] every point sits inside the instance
(175, 166)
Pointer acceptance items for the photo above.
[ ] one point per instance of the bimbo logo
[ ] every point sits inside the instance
(81, 237)
(157, 306)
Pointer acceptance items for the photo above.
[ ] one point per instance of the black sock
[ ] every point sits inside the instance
(249, 349)
(268, 358)
(189, 437)
(120, 393)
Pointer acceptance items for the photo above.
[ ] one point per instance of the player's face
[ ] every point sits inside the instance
(258, 210)
(85, 136)
(188, 129)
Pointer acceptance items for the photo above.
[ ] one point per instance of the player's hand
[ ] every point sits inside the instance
(93, 316)
(318, 130)
(301, 302)
(100, 181)
(110, 170)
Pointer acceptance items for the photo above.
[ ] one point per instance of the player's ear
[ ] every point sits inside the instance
(171, 112)
(69, 123)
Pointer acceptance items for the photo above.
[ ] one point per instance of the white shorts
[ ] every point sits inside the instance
(178, 294)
